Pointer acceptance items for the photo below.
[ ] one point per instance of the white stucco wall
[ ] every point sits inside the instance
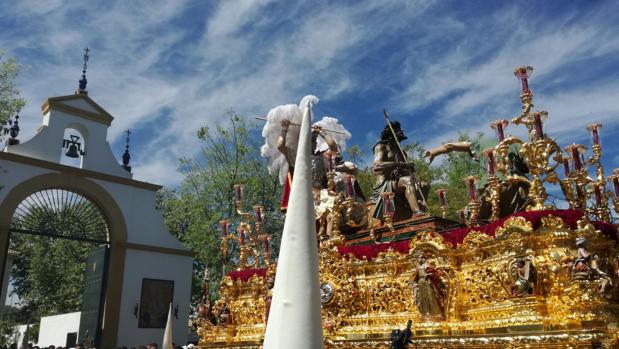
(46, 144)
(142, 264)
(54, 329)
(7, 273)
(145, 226)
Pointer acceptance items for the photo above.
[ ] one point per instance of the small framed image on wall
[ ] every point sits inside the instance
(155, 302)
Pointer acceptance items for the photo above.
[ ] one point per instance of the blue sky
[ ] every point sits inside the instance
(164, 69)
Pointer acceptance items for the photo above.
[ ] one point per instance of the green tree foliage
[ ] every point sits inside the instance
(48, 273)
(8, 327)
(10, 102)
(229, 155)
(355, 154)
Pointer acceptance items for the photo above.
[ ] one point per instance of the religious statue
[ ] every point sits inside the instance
(580, 267)
(401, 338)
(587, 266)
(429, 290)
(393, 173)
(225, 316)
(523, 276)
(281, 133)
(206, 315)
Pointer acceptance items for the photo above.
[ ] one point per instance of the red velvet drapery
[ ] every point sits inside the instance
(454, 236)
(244, 275)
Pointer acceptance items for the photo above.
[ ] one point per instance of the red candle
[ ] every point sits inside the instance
(576, 157)
(238, 192)
(461, 216)
(566, 167)
(500, 133)
(223, 225)
(258, 214)
(539, 132)
(491, 162)
(598, 194)
(266, 245)
(523, 74)
(499, 125)
(242, 237)
(388, 208)
(470, 183)
(350, 189)
(593, 127)
(441, 198)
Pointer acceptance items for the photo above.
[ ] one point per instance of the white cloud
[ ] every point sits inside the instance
(165, 68)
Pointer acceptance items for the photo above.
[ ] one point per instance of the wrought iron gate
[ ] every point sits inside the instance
(65, 214)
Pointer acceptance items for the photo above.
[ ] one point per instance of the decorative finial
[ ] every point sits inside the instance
(83, 81)
(10, 128)
(14, 131)
(126, 155)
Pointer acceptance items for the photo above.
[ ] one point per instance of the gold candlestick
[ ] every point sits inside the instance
(570, 191)
(473, 205)
(523, 73)
(537, 155)
(335, 219)
(600, 208)
(248, 238)
(494, 186)
(538, 151)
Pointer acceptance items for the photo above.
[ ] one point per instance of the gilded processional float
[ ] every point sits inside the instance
(515, 271)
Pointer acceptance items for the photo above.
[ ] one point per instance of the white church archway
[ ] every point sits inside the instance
(141, 246)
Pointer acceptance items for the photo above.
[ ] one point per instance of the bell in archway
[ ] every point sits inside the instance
(72, 151)
(73, 146)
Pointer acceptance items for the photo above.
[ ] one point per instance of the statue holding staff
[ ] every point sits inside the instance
(393, 173)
